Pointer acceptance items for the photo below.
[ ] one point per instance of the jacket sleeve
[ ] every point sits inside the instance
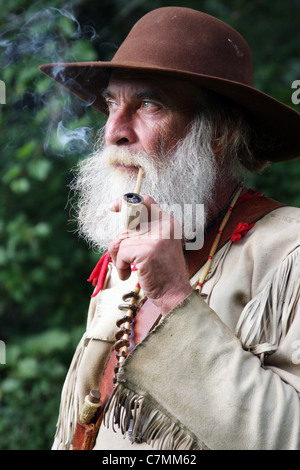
(194, 369)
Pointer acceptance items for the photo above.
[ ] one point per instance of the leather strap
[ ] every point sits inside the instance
(249, 209)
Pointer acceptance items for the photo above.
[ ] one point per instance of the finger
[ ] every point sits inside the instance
(116, 205)
(113, 248)
(123, 268)
(124, 258)
(148, 201)
(155, 212)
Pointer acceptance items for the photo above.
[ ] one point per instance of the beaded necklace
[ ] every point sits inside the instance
(216, 242)
(124, 324)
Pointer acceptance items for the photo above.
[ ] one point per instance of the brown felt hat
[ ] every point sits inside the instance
(188, 44)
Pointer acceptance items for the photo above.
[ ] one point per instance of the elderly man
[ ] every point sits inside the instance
(206, 353)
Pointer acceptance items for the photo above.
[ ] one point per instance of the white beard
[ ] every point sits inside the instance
(187, 175)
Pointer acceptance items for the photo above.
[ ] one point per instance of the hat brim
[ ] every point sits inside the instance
(268, 116)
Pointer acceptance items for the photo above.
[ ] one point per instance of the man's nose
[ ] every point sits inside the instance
(119, 129)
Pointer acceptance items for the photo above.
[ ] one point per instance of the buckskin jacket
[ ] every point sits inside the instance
(220, 371)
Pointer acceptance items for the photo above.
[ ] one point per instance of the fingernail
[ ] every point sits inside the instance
(113, 206)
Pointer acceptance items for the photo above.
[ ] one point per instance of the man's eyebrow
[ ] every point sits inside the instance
(140, 95)
(148, 95)
(106, 93)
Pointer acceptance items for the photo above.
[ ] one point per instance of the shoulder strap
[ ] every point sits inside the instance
(249, 209)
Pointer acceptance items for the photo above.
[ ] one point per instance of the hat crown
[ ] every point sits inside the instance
(185, 40)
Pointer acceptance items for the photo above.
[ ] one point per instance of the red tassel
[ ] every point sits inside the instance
(240, 231)
(98, 274)
(248, 195)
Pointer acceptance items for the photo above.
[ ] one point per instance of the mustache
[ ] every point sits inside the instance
(112, 156)
(121, 156)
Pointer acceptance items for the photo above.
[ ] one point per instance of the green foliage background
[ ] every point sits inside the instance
(44, 133)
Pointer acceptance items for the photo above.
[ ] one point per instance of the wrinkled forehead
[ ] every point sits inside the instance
(167, 87)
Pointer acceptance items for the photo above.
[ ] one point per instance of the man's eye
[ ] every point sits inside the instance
(149, 105)
(110, 104)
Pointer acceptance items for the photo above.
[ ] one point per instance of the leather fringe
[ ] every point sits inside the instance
(139, 420)
(65, 427)
(266, 319)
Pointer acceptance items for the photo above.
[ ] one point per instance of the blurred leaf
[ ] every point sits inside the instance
(46, 343)
(20, 186)
(39, 169)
